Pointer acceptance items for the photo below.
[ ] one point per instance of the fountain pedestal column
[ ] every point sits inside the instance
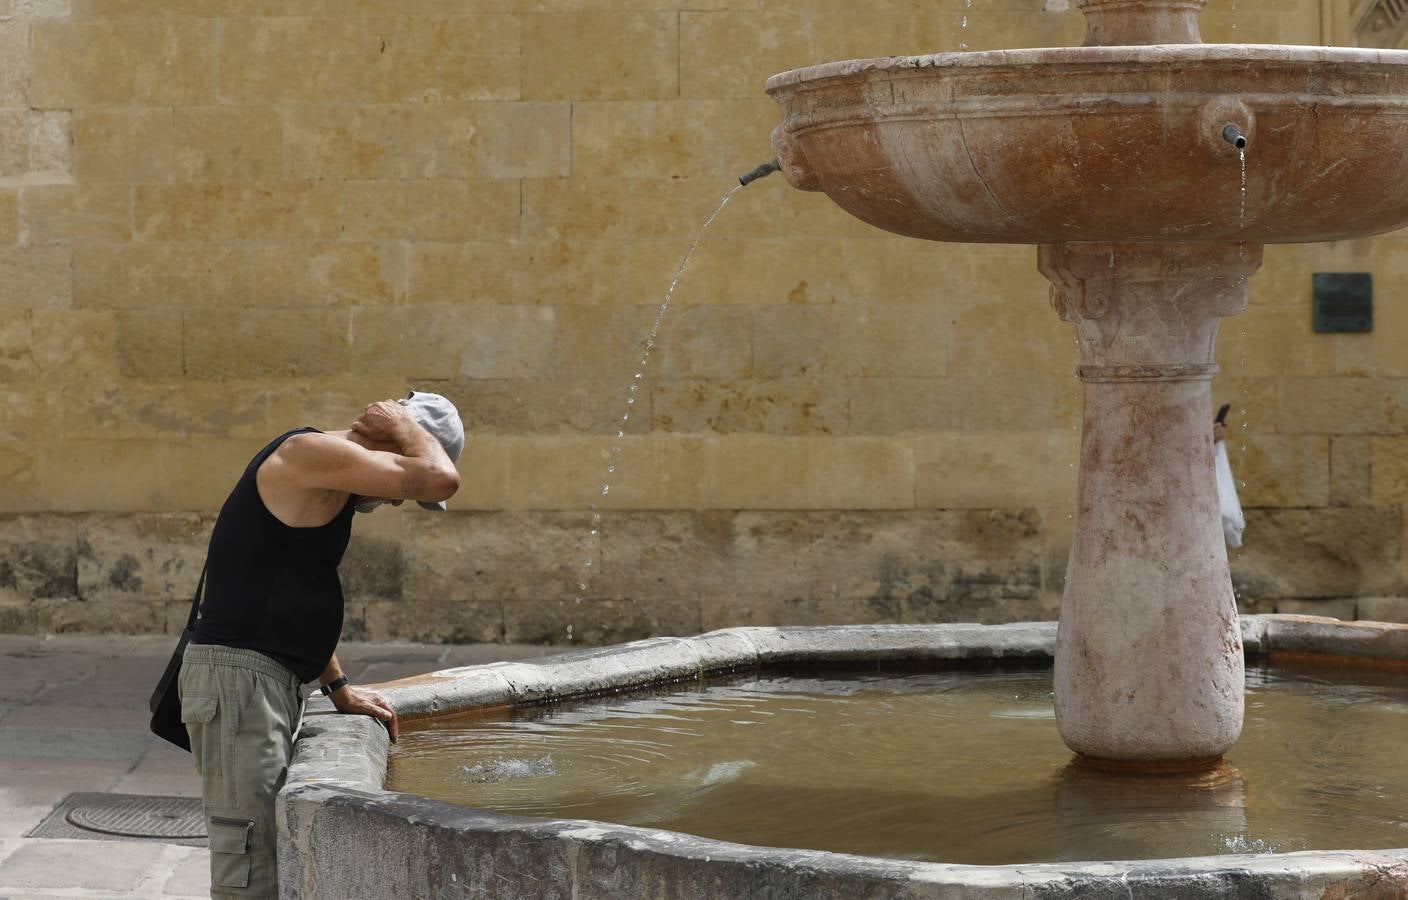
(1148, 653)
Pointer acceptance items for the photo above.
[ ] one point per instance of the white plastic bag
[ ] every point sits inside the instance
(1233, 522)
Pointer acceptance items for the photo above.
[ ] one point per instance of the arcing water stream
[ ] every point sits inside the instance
(613, 457)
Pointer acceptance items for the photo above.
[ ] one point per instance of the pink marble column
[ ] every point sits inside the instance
(1148, 653)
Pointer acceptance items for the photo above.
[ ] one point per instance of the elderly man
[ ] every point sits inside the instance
(272, 612)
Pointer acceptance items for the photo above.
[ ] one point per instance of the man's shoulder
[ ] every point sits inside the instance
(305, 449)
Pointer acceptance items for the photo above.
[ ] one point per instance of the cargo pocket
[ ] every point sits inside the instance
(197, 712)
(230, 839)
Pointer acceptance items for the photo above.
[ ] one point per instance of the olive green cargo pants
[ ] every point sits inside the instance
(241, 709)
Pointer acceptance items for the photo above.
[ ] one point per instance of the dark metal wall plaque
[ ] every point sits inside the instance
(1344, 302)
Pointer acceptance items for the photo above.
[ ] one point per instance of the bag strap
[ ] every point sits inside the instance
(195, 601)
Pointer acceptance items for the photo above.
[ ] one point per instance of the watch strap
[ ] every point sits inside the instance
(335, 685)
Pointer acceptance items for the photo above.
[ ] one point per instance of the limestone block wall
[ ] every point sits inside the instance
(220, 219)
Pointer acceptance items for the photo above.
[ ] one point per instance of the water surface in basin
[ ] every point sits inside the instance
(959, 767)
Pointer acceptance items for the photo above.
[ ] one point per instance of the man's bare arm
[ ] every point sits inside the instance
(413, 467)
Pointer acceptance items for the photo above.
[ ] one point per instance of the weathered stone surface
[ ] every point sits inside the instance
(1030, 469)
(645, 62)
(123, 145)
(141, 558)
(156, 275)
(9, 217)
(142, 475)
(14, 63)
(638, 209)
(527, 406)
(735, 270)
(325, 273)
(172, 408)
(436, 621)
(16, 364)
(135, 62)
(149, 343)
(545, 272)
(39, 557)
(1383, 609)
(1284, 471)
(14, 143)
(408, 141)
(72, 346)
(782, 406)
(905, 405)
(63, 212)
(468, 210)
(747, 472)
(372, 59)
(220, 343)
(1334, 552)
(667, 138)
(1351, 479)
(478, 556)
(293, 210)
(702, 342)
(1344, 406)
(1388, 465)
(51, 142)
(1344, 608)
(771, 40)
(470, 341)
(597, 622)
(1276, 340)
(226, 144)
(524, 140)
(1312, 634)
(36, 277)
(844, 340)
(1013, 341)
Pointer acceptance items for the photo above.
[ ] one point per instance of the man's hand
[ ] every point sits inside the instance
(350, 700)
(385, 420)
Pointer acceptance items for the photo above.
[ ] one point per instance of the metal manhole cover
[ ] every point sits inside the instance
(150, 817)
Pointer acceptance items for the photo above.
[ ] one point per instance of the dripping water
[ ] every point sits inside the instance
(613, 457)
(1242, 216)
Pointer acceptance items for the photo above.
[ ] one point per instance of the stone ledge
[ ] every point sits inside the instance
(484, 854)
(334, 806)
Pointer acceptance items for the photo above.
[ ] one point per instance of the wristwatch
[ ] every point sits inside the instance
(336, 684)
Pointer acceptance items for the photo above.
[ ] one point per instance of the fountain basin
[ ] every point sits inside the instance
(334, 812)
(1122, 144)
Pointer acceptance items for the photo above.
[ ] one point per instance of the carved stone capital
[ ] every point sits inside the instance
(1147, 311)
(1125, 22)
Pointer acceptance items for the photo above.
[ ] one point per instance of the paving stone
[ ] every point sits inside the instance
(163, 770)
(74, 743)
(191, 874)
(78, 864)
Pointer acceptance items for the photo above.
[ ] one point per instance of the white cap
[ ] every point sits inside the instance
(438, 416)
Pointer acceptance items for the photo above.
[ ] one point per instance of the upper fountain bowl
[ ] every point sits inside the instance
(1106, 143)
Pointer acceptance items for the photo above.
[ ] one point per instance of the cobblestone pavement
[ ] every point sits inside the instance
(73, 717)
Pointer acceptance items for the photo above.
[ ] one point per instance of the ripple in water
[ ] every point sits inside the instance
(953, 767)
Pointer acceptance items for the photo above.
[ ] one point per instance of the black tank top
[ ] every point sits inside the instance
(272, 588)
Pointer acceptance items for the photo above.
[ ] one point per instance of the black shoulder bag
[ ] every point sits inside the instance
(166, 699)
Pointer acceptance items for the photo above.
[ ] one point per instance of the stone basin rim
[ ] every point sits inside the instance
(1151, 55)
(338, 774)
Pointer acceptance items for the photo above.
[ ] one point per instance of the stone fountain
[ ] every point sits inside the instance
(1122, 161)
(1149, 169)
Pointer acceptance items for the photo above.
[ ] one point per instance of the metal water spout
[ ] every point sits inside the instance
(762, 171)
(1233, 135)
